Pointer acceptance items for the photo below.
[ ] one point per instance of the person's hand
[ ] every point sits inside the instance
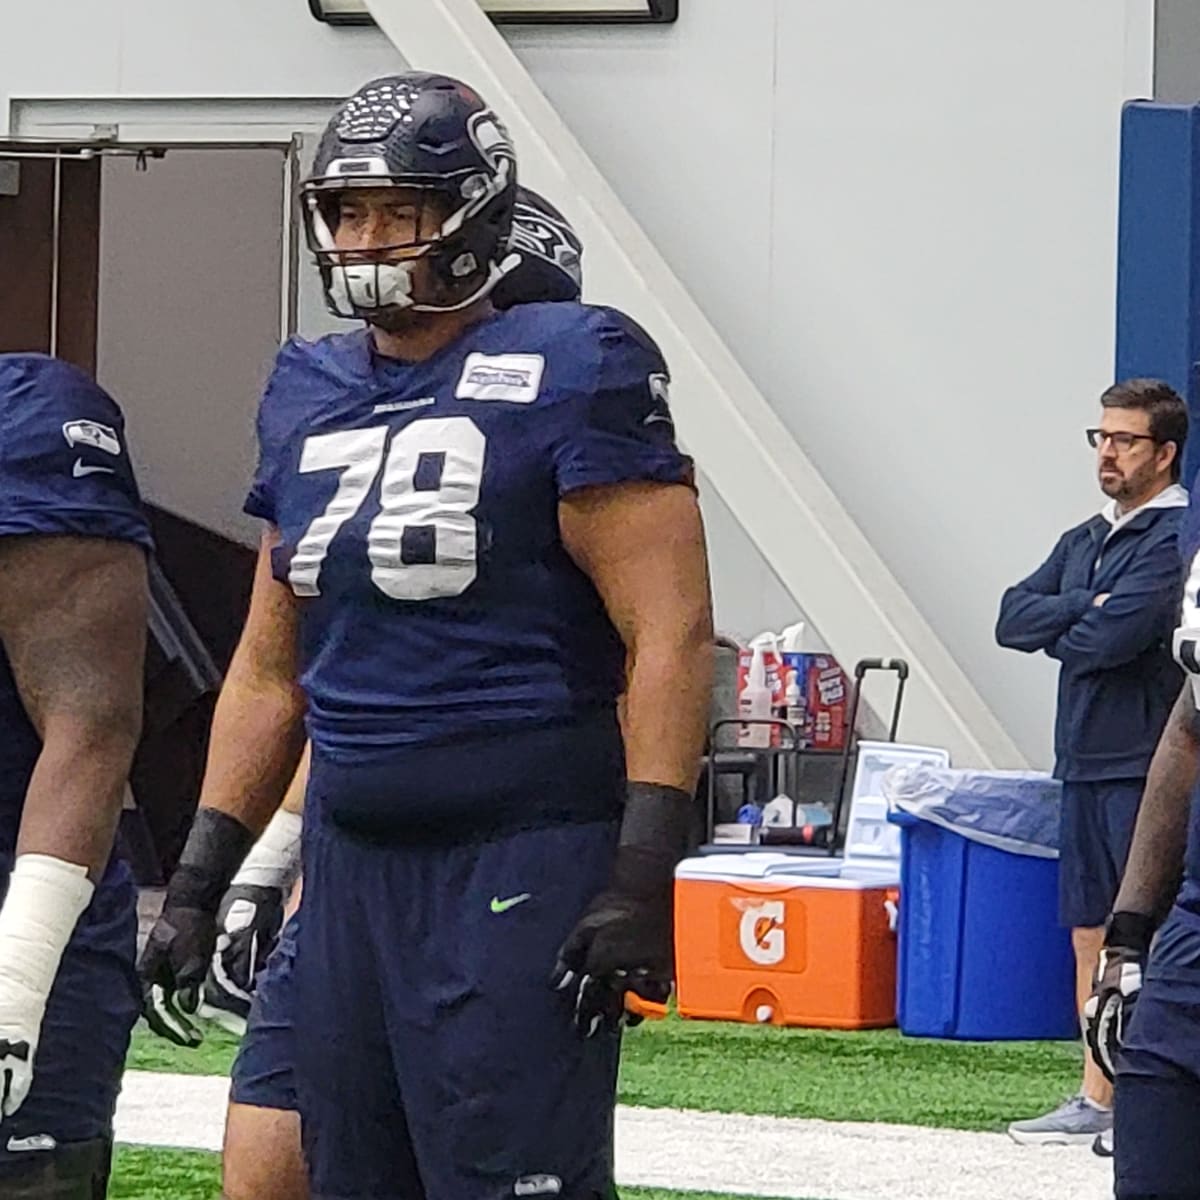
(624, 942)
(46, 897)
(173, 966)
(21, 1012)
(1119, 978)
(179, 950)
(1100, 599)
(248, 925)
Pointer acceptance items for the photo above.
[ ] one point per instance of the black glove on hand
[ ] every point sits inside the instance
(1118, 982)
(180, 946)
(625, 940)
(248, 925)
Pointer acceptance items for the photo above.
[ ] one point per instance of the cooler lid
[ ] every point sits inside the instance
(871, 840)
(752, 865)
(786, 870)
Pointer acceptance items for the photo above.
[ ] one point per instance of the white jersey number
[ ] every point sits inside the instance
(434, 524)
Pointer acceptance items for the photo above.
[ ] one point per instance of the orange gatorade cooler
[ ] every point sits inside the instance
(759, 939)
(792, 940)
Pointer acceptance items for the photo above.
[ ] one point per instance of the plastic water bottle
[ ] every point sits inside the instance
(796, 712)
(755, 703)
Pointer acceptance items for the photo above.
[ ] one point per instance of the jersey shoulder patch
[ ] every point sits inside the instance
(64, 464)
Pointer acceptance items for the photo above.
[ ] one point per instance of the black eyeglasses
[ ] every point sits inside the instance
(1123, 442)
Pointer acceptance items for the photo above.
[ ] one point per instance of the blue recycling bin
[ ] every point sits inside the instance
(981, 954)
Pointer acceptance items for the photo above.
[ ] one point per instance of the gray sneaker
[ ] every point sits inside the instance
(1074, 1121)
(1103, 1145)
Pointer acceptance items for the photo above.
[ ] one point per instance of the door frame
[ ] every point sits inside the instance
(121, 126)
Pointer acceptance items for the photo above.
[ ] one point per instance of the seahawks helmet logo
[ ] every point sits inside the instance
(492, 141)
(537, 233)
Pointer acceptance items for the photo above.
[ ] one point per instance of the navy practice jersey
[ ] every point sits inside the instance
(1175, 964)
(418, 509)
(64, 469)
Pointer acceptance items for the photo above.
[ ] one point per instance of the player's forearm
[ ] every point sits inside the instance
(255, 746)
(75, 795)
(1159, 840)
(667, 705)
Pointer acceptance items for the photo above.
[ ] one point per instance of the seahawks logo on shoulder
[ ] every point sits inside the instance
(93, 435)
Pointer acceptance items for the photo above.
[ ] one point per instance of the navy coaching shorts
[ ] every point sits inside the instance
(433, 1058)
(91, 1012)
(264, 1072)
(1095, 832)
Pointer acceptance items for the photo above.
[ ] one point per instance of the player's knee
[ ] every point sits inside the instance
(76, 1171)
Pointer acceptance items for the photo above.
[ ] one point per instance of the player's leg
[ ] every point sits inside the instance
(57, 1146)
(262, 1158)
(76, 1171)
(1118, 802)
(1157, 1131)
(503, 1096)
(356, 1140)
(1087, 884)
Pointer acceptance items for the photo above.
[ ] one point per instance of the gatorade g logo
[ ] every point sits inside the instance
(761, 931)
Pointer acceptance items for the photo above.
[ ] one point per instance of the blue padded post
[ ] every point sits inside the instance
(1158, 256)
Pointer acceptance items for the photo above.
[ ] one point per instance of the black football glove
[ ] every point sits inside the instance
(625, 940)
(248, 925)
(1118, 982)
(179, 949)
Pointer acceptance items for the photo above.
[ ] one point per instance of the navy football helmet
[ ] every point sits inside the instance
(436, 139)
(551, 255)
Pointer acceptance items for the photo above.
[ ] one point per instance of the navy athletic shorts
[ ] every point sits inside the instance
(92, 1009)
(264, 1072)
(433, 1058)
(1094, 836)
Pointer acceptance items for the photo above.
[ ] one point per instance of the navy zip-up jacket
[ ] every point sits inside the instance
(1118, 681)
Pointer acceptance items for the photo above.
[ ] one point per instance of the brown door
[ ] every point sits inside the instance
(49, 251)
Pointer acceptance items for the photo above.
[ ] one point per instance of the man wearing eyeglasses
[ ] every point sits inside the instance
(1105, 605)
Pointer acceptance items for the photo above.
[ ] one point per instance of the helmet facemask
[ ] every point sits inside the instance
(434, 255)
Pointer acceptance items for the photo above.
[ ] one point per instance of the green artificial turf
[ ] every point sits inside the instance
(146, 1173)
(214, 1056)
(872, 1075)
(869, 1075)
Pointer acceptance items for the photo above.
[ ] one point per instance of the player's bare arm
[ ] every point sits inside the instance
(73, 626)
(257, 735)
(642, 545)
(1156, 855)
(255, 746)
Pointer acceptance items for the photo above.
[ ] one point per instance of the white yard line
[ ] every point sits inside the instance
(764, 1156)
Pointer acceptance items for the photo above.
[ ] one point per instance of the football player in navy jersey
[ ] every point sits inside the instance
(1144, 1016)
(479, 528)
(251, 913)
(73, 606)
(262, 1158)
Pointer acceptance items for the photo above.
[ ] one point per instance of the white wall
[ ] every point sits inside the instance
(902, 217)
(189, 320)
